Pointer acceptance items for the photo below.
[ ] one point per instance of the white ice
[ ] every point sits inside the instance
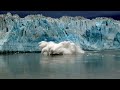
(62, 48)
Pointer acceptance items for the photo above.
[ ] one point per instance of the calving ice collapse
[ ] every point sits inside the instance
(62, 48)
(24, 34)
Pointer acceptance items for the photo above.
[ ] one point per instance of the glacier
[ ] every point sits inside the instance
(24, 34)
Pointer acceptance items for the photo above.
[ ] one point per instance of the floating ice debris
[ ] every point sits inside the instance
(23, 34)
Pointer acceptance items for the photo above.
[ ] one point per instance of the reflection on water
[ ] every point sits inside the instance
(35, 65)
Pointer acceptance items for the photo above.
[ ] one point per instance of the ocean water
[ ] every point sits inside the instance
(91, 65)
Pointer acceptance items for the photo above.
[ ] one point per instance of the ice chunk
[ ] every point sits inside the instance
(62, 48)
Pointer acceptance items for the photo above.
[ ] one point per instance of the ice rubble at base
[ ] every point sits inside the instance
(24, 34)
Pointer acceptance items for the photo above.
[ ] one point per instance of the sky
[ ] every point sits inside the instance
(57, 14)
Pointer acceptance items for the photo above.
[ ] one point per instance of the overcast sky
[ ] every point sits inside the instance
(57, 14)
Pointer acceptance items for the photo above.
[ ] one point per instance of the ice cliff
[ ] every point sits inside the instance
(23, 34)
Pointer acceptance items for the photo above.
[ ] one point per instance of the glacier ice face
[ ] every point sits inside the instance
(24, 34)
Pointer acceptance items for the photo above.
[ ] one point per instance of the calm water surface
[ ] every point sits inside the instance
(91, 65)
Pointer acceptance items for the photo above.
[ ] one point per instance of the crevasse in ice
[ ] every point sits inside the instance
(24, 34)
